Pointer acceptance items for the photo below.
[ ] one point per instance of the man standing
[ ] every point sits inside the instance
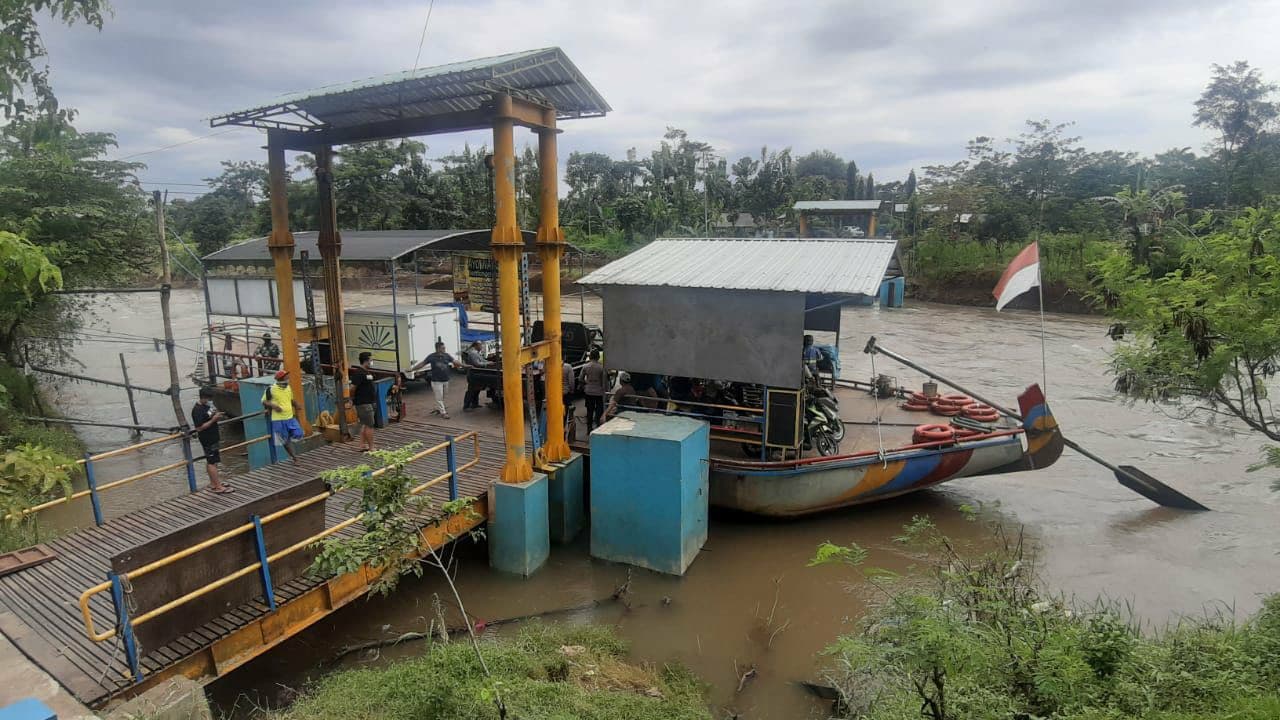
(473, 357)
(593, 387)
(279, 400)
(204, 420)
(268, 349)
(440, 363)
(570, 422)
(364, 395)
(811, 355)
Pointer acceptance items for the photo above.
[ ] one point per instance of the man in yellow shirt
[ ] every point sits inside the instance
(282, 412)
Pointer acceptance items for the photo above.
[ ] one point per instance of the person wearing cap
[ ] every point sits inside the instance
(279, 400)
(268, 349)
(620, 396)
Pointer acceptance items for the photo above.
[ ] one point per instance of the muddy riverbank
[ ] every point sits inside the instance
(1098, 538)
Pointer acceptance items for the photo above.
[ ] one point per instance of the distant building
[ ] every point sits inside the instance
(845, 218)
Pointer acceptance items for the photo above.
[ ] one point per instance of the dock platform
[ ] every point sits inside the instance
(39, 606)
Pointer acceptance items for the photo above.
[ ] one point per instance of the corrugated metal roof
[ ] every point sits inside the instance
(366, 245)
(831, 266)
(838, 205)
(545, 76)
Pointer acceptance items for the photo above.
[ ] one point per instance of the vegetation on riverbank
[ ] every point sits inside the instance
(544, 671)
(975, 636)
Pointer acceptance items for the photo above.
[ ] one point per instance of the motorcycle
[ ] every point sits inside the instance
(818, 426)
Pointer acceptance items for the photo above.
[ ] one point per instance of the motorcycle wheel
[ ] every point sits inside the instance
(823, 442)
(836, 427)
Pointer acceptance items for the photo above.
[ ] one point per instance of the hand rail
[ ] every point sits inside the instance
(88, 459)
(87, 595)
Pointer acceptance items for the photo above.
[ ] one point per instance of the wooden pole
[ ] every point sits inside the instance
(165, 287)
(128, 391)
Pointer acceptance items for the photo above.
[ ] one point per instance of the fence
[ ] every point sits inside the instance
(117, 583)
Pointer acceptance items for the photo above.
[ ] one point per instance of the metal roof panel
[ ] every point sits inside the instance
(828, 266)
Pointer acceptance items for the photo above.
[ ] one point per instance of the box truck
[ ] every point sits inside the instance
(415, 328)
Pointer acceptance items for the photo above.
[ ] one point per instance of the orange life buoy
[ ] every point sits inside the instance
(933, 433)
(912, 406)
(982, 413)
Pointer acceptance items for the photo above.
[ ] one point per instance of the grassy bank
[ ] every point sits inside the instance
(974, 636)
(544, 671)
(964, 272)
(28, 452)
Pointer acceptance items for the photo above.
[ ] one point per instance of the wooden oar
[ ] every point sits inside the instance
(1129, 476)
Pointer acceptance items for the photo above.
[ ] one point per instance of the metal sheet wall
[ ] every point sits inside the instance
(752, 337)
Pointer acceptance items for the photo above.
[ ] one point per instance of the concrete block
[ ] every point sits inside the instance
(567, 513)
(519, 539)
(177, 699)
(649, 490)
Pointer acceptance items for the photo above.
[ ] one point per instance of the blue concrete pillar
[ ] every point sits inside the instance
(519, 541)
(251, 392)
(567, 513)
(891, 292)
(649, 490)
(27, 709)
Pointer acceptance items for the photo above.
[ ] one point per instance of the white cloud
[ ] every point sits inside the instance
(891, 86)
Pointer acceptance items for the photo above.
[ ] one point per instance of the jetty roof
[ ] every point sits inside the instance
(838, 205)
(808, 265)
(366, 246)
(444, 98)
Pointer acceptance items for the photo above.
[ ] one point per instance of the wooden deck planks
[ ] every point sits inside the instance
(40, 604)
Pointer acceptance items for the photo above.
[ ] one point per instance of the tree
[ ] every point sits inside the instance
(1236, 103)
(32, 475)
(26, 276)
(851, 181)
(21, 45)
(1208, 331)
(909, 189)
(869, 192)
(821, 163)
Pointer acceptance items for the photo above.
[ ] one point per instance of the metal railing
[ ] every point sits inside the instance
(189, 459)
(725, 420)
(116, 583)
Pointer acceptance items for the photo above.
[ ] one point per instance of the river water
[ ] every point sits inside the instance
(1097, 538)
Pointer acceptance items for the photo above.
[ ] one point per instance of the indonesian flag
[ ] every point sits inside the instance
(1021, 275)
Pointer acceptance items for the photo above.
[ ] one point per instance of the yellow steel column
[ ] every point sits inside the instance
(804, 223)
(550, 248)
(329, 241)
(508, 245)
(871, 225)
(281, 247)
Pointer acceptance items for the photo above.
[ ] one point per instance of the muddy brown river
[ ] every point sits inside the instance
(1097, 537)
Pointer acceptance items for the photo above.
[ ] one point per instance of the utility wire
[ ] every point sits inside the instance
(178, 144)
(423, 37)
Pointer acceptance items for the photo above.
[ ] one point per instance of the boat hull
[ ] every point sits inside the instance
(819, 484)
(805, 489)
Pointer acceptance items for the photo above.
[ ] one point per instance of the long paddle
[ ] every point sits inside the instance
(1129, 476)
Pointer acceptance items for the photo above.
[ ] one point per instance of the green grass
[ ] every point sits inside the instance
(544, 672)
(972, 635)
(1065, 257)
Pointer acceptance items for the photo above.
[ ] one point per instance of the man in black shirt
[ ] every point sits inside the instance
(365, 397)
(204, 420)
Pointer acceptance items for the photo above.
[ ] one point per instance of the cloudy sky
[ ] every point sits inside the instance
(891, 85)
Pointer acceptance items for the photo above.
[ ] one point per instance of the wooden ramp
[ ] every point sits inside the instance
(39, 608)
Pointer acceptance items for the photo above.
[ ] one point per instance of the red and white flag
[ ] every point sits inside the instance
(1021, 275)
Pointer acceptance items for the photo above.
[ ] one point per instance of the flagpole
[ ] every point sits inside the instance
(1044, 363)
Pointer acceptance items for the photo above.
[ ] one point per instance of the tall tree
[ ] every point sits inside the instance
(909, 189)
(851, 181)
(869, 192)
(21, 46)
(1237, 104)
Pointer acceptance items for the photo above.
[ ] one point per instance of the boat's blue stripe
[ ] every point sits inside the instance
(914, 471)
(909, 455)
